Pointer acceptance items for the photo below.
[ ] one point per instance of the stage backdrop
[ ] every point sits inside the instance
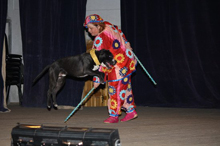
(179, 44)
(3, 15)
(51, 29)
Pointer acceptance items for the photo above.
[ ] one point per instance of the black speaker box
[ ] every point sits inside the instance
(40, 135)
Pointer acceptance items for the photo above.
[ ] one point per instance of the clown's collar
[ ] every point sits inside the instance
(94, 57)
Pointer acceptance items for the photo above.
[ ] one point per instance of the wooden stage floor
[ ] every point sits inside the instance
(155, 126)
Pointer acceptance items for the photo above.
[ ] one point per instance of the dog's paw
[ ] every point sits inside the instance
(102, 82)
(55, 105)
(49, 107)
(102, 76)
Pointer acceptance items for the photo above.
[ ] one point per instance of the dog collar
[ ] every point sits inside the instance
(94, 57)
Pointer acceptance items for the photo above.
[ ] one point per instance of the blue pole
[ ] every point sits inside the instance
(79, 104)
(145, 69)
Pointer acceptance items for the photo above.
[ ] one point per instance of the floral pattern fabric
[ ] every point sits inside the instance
(119, 77)
(112, 39)
(121, 97)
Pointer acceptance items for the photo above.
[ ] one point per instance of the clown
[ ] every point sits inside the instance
(108, 36)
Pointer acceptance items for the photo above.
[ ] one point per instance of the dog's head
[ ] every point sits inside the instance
(106, 58)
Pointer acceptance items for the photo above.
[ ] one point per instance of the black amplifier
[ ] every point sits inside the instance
(40, 135)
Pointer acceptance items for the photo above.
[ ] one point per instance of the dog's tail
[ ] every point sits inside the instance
(40, 74)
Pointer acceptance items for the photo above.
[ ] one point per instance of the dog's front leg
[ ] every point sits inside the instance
(101, 75)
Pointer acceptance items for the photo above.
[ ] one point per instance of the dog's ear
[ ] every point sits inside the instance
(106, 53)
(103, 51)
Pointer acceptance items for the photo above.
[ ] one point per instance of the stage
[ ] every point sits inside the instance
(154, 126)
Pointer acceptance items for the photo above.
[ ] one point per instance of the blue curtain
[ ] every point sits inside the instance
(3, 16)
(51, 29)
(178, 42)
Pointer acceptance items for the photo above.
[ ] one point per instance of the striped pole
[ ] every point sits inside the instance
(79, 104)
(145, 69)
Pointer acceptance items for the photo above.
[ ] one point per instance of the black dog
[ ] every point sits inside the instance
(76, 66)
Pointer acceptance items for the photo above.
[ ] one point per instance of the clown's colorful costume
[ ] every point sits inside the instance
(118, 77)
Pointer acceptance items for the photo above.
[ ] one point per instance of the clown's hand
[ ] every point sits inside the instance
(96, 82)
(128, 46)
(96, 85)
